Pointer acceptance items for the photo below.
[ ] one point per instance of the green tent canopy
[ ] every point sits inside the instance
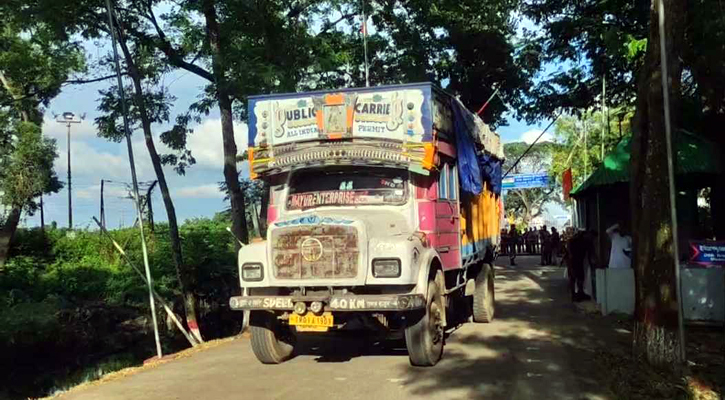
(695, 155)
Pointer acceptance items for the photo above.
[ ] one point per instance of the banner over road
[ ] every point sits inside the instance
(526, 181)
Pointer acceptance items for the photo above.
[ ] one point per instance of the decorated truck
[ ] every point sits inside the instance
(384, 212)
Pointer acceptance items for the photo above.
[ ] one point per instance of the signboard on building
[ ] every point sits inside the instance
(708, 252)
(526, 181)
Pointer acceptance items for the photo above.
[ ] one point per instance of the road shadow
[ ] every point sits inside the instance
(543, 346)
(343, 347)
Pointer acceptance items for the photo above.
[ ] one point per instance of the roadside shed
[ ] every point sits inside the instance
(603, 199)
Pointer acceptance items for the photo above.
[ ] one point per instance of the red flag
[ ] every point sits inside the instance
(567, 183)
(364, 28)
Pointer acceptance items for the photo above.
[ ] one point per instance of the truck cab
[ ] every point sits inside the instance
(369, 226)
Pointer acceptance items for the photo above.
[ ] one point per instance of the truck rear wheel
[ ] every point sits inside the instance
(272, 342)
(484, 298)
(424, 339)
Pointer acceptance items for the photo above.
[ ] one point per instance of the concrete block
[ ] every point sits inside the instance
(615, 290)
(703, 294)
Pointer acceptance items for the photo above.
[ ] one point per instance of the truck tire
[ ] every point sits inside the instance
(484, 298)
(272, 342)
(424, 338)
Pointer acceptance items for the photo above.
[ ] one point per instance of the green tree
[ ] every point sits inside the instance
(32, 69)
(464, 45)
(528, 204)
(584, 154)
(150, 106)
(589, 41)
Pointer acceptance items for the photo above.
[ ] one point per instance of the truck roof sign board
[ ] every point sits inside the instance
(400, 113)
(526, 181)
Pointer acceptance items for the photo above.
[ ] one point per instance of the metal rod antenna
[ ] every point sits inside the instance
(365, 43)
(127, 131)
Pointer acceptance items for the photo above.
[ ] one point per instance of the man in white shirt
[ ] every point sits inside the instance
(620, 256)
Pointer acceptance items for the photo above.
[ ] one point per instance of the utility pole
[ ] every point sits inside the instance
(69, 118)
(586, 150)
(42, 215)
(150, 206)
(671, 154)
(127, 130)
(605, 118)
(103, 210)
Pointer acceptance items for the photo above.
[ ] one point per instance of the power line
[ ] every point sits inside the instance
(531, 145)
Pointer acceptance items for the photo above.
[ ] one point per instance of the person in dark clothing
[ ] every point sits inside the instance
(581, 249)
(531, 238)
(513, 242)
(545, 246)
(504, 241)
(555, 246)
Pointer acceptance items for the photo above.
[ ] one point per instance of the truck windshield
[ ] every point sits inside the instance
(347, 186)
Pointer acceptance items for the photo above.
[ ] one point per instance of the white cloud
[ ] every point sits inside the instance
(93, 192)
(87, 161)
(206, 143)
(531, 135)
(206, 191)
(59, 131)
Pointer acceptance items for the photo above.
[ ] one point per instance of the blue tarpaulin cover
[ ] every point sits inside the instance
(492, 170)
(469, 173)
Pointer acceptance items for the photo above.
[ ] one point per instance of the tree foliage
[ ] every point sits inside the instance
(526, 204)
(571, 151)
(33, 67)
(587, 40)
(26, 168)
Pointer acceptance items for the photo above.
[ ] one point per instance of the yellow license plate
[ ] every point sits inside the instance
(311, 322)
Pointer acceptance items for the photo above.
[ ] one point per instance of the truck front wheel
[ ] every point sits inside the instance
(272, 342)
(484, 300)
(424, 338)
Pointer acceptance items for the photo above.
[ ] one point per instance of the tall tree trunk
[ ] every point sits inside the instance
(231, 175)
(7, 232)
(656, 304)
(184, 274)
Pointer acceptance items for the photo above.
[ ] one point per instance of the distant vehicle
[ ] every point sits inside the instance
(370, 224)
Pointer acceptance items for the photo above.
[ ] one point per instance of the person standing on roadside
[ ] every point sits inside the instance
(555, 246)
(621, 253)
(504, 241)
(513, 238)
(581, 249)
(545, 245)
(531, 239)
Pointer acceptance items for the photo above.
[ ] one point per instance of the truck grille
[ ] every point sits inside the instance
(315, 252)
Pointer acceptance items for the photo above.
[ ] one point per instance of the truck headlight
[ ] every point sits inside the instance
(252, 272)
(386, 267)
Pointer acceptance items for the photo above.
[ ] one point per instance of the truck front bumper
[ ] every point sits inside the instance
(396, 302)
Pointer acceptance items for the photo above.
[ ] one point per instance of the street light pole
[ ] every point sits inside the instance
(70, 186)
(69, 118)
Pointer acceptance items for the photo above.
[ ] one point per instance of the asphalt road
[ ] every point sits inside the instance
(539, 347)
